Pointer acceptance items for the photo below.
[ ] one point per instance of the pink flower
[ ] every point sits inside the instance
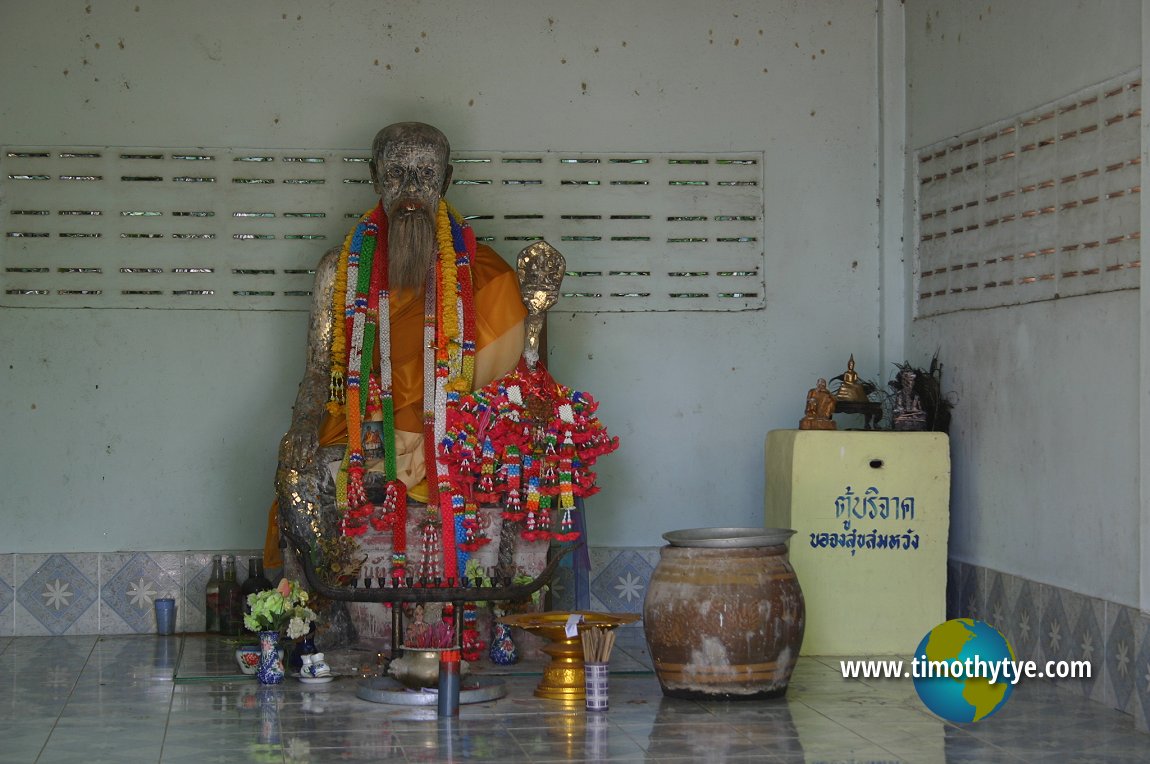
(284, 588)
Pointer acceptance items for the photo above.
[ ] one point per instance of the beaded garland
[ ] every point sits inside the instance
(525, 441)
(473, 644)
(360, 305)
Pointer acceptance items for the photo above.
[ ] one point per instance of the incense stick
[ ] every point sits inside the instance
(597, 645)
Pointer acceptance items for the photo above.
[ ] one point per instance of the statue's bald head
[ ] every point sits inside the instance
(410, 159)
(412, 132)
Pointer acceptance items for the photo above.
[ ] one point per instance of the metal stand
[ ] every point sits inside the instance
(398, 591)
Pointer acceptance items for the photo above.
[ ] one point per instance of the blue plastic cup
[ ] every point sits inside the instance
(165, 615)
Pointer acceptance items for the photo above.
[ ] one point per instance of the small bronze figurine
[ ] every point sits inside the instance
(820, 408)
(851, 387)
(906, 412)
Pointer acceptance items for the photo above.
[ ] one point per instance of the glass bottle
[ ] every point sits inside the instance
(231, 616)
(255, 582)
(212, 596)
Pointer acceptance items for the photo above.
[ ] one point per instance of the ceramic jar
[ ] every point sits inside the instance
(724, 613)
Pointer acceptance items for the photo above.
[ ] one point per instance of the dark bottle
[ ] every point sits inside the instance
(212, 596)
(255, 582)
(231, 615)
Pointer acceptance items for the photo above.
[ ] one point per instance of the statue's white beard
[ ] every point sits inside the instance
(411, 248)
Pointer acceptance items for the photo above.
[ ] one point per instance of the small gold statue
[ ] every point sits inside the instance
(820, 408)
(851, 389)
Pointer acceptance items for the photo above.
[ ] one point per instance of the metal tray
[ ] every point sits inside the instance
(728, 538)
(387, 690)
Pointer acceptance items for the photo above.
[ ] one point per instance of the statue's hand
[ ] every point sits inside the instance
(298, 447)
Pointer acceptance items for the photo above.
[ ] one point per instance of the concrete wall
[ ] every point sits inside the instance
(157, 430)
(1046, 451)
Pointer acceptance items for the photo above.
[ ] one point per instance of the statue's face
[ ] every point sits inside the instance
(410, 169)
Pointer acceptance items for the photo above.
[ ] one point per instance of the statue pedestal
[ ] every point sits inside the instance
(871, 511)
(871, 411)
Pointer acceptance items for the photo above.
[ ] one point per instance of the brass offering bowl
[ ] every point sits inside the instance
(563, 675)
(419, 667)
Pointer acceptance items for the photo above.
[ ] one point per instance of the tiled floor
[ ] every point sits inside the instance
(175, 699)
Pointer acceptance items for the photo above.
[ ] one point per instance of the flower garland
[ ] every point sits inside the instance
(473, 644)
(526, 440)
(362, 299)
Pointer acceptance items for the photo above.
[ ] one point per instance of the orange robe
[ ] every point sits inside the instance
(499, 336)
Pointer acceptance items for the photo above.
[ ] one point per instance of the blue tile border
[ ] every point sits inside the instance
(968, 597)
(997, 609)
(620, 586)
(1087, 643)
(1045, 622)
(57, 594)
(197, 569)
(7, 595)
(1026, 621)
(953, 575)
(1141, 673)
(1120, 658)
(1054, 628)
(131, 583)
(562, 589)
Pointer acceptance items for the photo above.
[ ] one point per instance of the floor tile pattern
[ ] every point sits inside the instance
(143, 698)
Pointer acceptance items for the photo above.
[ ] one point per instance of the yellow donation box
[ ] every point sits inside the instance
(871, 512)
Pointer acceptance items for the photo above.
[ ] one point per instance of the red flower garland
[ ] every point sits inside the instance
(523, 440)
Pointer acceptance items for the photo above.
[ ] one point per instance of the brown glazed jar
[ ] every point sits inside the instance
(724, 614)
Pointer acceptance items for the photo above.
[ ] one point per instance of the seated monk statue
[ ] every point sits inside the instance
(410, 310)
(851, 388)
(820, 408)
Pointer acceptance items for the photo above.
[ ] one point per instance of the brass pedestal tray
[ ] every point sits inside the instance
(563, 676)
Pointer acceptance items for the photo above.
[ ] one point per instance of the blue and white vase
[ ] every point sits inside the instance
(271, 668)
(503, 649)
